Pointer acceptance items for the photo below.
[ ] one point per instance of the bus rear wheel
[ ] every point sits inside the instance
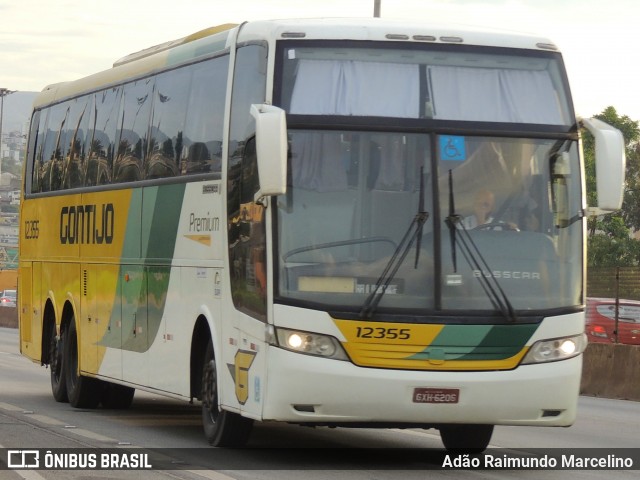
(56, 365)
(221, 428)
(466, 438)
(83, 392)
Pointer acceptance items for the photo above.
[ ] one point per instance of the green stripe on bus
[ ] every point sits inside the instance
(161, 215)
(142, 290)
(477, 342)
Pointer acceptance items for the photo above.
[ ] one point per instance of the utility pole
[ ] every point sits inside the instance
(376, 8)
(3, 93)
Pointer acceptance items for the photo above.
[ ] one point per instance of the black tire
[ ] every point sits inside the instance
(117, 397)
(466, 438)
(56, 365)
(221, 428)
(83, 392)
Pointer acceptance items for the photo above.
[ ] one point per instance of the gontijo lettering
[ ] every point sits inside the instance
(87, 224)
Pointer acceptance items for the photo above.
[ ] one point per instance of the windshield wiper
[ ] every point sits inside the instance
(413, 232)
(452, 221)
(475, 259)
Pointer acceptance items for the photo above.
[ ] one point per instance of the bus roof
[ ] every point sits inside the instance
(399, 30)
(211, 40)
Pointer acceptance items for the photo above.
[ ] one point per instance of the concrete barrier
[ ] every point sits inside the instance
(9, 317)
(611, 371)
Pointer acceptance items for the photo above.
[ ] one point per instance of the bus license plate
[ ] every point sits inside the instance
(436, 395)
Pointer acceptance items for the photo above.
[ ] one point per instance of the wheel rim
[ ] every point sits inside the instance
(209, 392)
(55, 355)
(73, 360)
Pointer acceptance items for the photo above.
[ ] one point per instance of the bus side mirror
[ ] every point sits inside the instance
(271, 149)
(610, 163)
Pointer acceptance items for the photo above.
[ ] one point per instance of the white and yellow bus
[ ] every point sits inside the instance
(277, 219)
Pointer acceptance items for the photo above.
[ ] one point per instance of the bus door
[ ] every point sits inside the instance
(247, 355)
(246, 235)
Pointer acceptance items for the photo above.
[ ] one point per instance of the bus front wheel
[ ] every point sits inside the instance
(221, 428)
(466, 438)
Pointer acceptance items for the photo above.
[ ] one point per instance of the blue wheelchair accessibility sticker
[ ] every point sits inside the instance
(452, 148)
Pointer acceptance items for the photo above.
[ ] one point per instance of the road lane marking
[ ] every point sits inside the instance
(46, 420)
(11, 408)
(92, 435)
(25, 474)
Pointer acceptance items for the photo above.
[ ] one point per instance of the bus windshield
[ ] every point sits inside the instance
(354, 195)
(503, 210)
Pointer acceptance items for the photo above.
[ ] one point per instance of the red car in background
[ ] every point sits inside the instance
(8, 298)
(600, 321)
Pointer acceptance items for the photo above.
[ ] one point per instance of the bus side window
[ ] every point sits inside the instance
(50, 174)
(102, 139)
(35, 139)
(72, 143)
(206, 117)
(133, 134)
(167, 124)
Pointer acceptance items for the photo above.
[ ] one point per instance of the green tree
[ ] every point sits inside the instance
(609, 242)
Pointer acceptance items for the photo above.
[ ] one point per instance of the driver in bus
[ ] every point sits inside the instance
(482, 209)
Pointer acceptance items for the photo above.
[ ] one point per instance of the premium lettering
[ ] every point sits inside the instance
(203, 224)
(87, 224)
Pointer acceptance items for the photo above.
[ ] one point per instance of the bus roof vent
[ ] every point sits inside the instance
(396, 36)
(425, 38)
(546, 46)
(293, 34)
(451, 39)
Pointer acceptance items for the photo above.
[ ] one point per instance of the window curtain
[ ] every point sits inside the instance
(494, 95)
(348, 87)
(317, 163)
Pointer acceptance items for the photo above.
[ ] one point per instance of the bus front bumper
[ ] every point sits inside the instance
(312, 390)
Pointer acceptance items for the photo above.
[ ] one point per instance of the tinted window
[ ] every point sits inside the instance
(101, 142)
(203, 131)
(73, 143)
(50, 171)
(35, 142)
(136, 112)
(168, 122)
(163, 126)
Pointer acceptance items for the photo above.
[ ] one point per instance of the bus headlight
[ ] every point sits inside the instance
(310, 343)
(556, 349)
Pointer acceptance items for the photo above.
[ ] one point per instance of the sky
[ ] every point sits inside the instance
(45, 41)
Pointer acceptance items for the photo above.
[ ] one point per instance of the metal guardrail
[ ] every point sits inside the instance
(614, 282)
